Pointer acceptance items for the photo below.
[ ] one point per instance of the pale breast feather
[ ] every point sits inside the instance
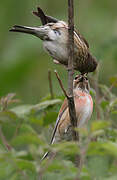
(86, 112)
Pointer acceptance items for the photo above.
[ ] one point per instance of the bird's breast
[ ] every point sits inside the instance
(84, 108)
(56, 50)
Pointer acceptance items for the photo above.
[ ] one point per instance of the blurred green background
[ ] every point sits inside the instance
(24, 64)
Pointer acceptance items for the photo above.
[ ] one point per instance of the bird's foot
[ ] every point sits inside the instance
(56, 61)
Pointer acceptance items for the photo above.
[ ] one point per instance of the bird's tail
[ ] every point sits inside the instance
(44, 18)
(23, 29)
(44, 156)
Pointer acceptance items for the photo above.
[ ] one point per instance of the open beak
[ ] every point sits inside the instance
(41, 32)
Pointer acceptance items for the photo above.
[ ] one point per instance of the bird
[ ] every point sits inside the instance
(54, 34)
(84, 108)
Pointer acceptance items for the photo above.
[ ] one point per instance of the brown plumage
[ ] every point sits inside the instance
(54, 34)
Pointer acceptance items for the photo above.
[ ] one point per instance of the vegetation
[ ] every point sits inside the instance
(25, 133)
(26, 127)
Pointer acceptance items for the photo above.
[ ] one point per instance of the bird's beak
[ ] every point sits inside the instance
(41, 32)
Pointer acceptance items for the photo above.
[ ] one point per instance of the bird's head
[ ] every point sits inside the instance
(54, 31)
(81, 82)
(48, 32)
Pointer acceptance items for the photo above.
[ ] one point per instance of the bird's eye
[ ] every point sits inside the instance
(57, 32)
(76, 78)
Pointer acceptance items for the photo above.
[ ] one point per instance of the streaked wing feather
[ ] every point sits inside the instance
(62, 110)
(82, 38)
(64, 105)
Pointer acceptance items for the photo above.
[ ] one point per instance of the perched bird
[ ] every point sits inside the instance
(54, 34)
(84, 107)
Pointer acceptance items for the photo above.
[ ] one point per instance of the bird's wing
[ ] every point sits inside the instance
(62, 110)
(44, 18)
(82, 38)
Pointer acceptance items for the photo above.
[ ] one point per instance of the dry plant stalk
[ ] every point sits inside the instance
(50, 84)
(72, 111)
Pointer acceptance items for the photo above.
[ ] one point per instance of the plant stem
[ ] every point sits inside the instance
(50, 84)
(72, 111)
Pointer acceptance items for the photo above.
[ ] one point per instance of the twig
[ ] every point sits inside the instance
(83, 151)
(4, 101)
(61, 85)
(50, 84)
(110, 89)
(4, 141)
(71, 104)
(18, 128)
(41, 171)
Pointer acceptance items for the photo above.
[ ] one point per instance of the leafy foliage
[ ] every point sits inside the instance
(25, 134)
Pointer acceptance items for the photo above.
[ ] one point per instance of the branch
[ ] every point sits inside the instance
(61, 85)
(71, 104)
(50, 84)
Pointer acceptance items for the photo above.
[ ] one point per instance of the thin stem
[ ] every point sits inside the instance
(72, 111)
(110, 89)
(70, 46)
(61, 85)
(50, 84)
(4, 141)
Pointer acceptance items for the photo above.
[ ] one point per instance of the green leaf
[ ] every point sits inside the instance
(24, 110)
(95, 148)
(6, 169)
(98, 166)
(104, 104)
(46, 104)
(49, 118)
(113, 80)
(92, 92)
(25, 165)
(67, 148)
(99, 132)
(8, 116)
(85, 174)
(26, 128)
(97, 125)
(15, 176)
(26, 139)
(114, 112)
(110, 147)
(60, 169)
(113, 103)
(111, 178)
(9, 122)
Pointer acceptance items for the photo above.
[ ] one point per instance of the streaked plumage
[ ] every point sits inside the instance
(84, 107)
(54, 34)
